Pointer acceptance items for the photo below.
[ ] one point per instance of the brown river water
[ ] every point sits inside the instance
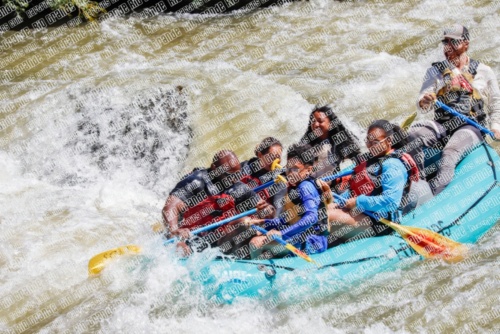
(97, 124)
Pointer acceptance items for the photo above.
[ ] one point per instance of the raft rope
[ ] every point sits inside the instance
(335, 264)
(493, 167)
(272, 265)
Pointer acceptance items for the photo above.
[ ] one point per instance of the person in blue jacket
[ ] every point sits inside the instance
(303, 216)
(379, 182)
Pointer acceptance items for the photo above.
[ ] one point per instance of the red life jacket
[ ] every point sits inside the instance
(217, 207)
(364, 183)
(211, 210)
(341, 184)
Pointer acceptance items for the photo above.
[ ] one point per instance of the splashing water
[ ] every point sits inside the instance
(97, 133)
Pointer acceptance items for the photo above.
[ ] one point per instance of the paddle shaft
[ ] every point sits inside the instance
(465, 119)
(263, 186)
(337, 176)
(326, 179)
(275, 237)
(215, 225)
(287, 245)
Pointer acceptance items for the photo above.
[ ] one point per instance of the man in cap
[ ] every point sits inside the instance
(469, 87)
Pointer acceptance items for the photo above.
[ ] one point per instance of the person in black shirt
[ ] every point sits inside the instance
(222, 179)
(191, 190)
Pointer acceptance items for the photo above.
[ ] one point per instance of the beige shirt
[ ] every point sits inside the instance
(485, 82)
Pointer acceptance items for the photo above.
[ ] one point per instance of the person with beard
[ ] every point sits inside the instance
(466, 85)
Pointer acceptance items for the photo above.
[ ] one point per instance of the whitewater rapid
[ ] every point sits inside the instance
(97, 132)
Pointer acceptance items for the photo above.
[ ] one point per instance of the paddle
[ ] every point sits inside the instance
(215, 225)
(279, 178)
(338, 175)
(97, 263)
(465, 119)
(288, 246)
(427, 243)
(408, 120)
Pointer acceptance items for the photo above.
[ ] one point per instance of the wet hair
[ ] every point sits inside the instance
(399, 137)
(266, 144)
(384, 125)
(348, 148)
(302, 152)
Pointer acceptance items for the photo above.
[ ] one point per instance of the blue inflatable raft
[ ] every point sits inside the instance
(464, 211)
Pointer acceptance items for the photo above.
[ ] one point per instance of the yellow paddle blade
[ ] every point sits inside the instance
(407, 122)
(300, 253)
(97, 263)
(429, 244)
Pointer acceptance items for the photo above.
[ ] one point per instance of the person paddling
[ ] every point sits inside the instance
(331, 141)
(378, 184)
(468, 86)
(209, 195)
(258, 170)
(302, 217)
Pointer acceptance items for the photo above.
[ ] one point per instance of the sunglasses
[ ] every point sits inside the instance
(454, 42)
(375, 141)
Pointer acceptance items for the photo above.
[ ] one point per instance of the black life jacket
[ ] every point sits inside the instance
(195, 187)
(459, 94)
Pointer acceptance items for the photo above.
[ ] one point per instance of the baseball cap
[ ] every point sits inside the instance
(457, 31)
